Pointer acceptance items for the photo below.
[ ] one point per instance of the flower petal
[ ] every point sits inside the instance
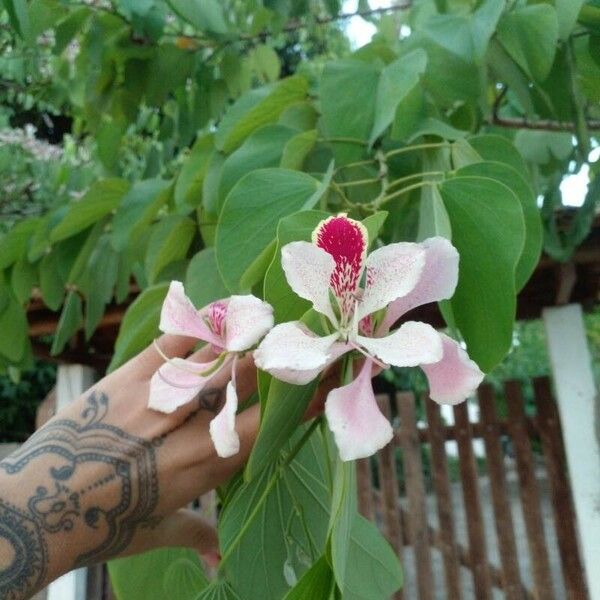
(176, 383)
(392, 271)
(412, 344)
(455, 377)
(354, 418)
(308, 271)
(248, 320)
(438, 280)
(294, 354)
(222, 427)
(179, 317)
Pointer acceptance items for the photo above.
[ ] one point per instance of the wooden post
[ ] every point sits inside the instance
(577, 406)
(71, 381)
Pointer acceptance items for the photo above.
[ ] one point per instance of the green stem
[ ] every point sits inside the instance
(343, 140)
(358, 163)
(414, 176)
(417, 147)
(404, 191)
(360, 182)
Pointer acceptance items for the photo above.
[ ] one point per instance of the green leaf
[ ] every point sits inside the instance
(19, 17)
(530, 35)
(52, 285)
(297, 149)
(78, 267)
(266, 62)
(251, 213)
(567, 12)
(287, 306)
(137, 209)
(374, 224)
(499, 149)
(203, 283)
(433, 216)
(169, 241)
(218, 590)
(188, 188)
(139, 325)
(13, 325)
(204, 15)
(542, 147)
(257, 108)
(69, 323)
(23, 277)
(488, 230)
(396, 82)
(261, 149)
(14, 244)
(101, 199)
(256, 271)
(341, 115)
(373, 571)
(158, 574)
(316, 584)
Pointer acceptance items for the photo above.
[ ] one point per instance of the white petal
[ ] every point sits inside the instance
(248, 320)
(293, 353)
(437, 282)
(354, 418)
(308, 271)
(222, 427)
(455, 377)
(412, 344)
(176, 383)
(392, 271)
(179, 317)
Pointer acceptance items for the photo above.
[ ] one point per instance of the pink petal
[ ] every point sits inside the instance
(176, 383)
(179, 317)
(438, 280)
(355, 420)
(292, 353)
(455, 377)
(222, 427)
(392, 271)
(248, 320)
(346, 240)
(308, 271)
(412, 344)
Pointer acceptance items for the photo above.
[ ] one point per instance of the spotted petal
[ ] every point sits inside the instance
(412, 344)
(455, 377)
(437, 282)
(308, 271)
(179, 317)
(392, 271)
(294, 354)
(354, 418)
(222, 427)
(248, 320)
(178, 382)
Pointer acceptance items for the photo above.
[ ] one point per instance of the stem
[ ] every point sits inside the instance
(343, 140)
(405, 190)
(417, 147)
(360, 182)
(358, 163)
(414, 176)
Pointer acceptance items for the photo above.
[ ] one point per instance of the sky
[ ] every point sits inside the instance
(360, 32)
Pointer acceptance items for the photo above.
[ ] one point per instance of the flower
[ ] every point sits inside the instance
(362, 297)
(232, 326)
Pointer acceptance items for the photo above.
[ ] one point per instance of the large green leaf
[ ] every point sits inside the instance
(170, 240)
(499, 149)
(251, 213)
(137, 209)
(204, 15)
(203, 283)
(102, 198)
(530, 34)
(316, 584)
(396, 82)
(342, 115)
(158, 574)
(140, 324)
(488, 229)
(257, 108)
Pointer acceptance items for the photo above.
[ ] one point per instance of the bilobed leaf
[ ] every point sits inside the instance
(169, 241)
(137, 209)
(69, 323)
(251, 213)
(102, 198)
(530, 34)
(14, 243)
(542, 147)
(139, 325)
(204, 15)
(316, 584)
(396, 82)
(488, 230)
(203, 283)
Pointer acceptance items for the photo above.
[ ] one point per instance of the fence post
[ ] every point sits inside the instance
(71, 381)
(577, 404)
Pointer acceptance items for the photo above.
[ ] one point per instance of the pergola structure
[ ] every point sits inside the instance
(557, 292)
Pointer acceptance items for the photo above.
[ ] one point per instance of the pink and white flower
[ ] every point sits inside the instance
(362, 297)
(232, 326)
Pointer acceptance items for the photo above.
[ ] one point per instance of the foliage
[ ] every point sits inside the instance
(197, 137)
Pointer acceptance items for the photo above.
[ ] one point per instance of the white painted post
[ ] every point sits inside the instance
(577, 396)
(71, 381)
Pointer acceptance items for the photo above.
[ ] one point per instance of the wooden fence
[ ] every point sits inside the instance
(403, 507)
